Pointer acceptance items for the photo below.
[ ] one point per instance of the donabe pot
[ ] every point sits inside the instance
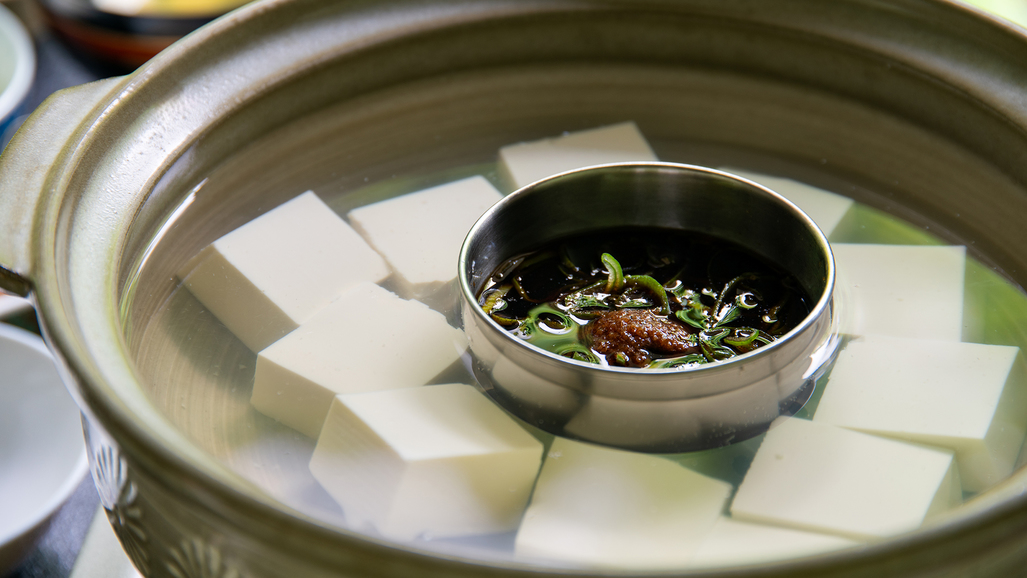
(914, 107)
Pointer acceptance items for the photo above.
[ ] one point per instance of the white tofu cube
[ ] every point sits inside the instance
(822, 478)
(607, 508)
(900, 290)
(420, 234)
(267, 277)
(737, 543)
(967, 397)
(367, 340)
(428, 462)
(825, 208)
(525, 163)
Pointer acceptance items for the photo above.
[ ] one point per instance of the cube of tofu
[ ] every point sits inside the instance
(420, 234)
(270, 275)
(525, 163)
(367, 340)
(432, 461)
(607, 508)
(967, 397)
(737, 543)
(825, 208)
(822, 478)
(900, 290)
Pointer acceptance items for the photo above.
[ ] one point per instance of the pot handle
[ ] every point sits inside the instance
(25, 172)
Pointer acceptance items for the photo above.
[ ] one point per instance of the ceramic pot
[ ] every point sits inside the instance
(913, 107)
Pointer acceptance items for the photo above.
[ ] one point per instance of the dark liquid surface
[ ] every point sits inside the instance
(680, 298)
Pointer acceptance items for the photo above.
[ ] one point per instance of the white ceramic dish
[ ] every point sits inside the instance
(17, 66)
(42, 454)
(11, 305)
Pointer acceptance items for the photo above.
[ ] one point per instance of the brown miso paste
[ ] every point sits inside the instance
(644, 297)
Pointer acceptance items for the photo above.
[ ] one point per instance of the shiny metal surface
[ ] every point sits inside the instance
(914, 107)
(662, 411)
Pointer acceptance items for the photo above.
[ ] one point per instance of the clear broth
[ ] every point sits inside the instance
(200, 376)
(218, 417)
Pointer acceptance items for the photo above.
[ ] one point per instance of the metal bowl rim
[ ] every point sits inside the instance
(822, 307)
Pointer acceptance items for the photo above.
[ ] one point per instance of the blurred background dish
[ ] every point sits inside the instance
(17, 66)
(127, 33)
(42, 457)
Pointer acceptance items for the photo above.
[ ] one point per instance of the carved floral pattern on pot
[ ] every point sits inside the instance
(118, 495)
(196, 559)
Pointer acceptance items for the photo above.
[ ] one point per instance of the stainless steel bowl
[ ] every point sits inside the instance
(912, 107)
(652, 410)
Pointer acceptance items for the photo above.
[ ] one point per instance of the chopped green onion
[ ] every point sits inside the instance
(615, 275)
(742, 337)
(654, 287)
(727, 315)
(693, 315)
(494, 300)
(504, 321)
(684, 360)
(578, 352)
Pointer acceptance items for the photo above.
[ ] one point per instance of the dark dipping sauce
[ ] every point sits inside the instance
(644, 297)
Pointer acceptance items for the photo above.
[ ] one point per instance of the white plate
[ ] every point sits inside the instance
(11, 306)
(42, 453)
